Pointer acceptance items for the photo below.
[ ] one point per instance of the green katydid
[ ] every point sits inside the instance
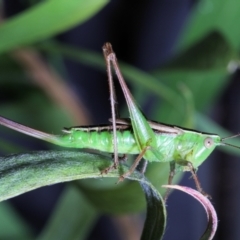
(185, 149)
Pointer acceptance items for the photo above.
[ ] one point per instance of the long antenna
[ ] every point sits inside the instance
(231, 137)
(228, 144)
(231, 145)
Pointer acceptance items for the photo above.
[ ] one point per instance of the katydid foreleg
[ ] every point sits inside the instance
(194, 176)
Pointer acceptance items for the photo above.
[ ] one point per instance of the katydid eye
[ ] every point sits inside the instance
(208, 142)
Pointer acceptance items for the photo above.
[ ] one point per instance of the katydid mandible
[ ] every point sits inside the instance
(185, 149)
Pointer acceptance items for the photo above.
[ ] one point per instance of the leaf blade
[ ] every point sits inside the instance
(24, 172)
(43, 20)
(208, 207)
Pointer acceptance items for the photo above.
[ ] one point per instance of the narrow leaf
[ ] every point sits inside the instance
(210, 211)
(44, 20)
(154, 226)
(20, 173)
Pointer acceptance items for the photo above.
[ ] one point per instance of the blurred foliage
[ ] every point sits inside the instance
(210, 41)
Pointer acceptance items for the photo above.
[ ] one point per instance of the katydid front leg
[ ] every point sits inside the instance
(143, 133)
(194, 176)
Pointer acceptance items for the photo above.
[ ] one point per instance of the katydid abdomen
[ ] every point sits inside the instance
(99, 138)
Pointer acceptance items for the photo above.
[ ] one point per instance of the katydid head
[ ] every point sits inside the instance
(195, 147)
(209, 142)
(203, 150)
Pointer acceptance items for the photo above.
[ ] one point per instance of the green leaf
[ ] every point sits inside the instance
(212, 15)
(211, 52)
(127, 192)
(12, 225)
(155, 221)
(24, 172)
(44, 20)
(203, 64)
(196, 81)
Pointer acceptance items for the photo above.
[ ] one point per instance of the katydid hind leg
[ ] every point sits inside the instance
(143, 133)
(114, 111)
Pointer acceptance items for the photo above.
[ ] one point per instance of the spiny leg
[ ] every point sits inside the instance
(107, 51)
(170, 178)
(111, 59)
